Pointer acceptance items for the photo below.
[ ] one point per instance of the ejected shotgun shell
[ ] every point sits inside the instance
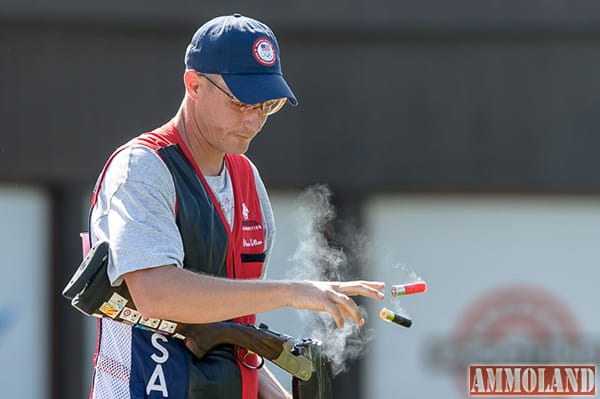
(392, 317)
(409, 288)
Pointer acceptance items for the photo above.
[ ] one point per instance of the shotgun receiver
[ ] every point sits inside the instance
(91, 293)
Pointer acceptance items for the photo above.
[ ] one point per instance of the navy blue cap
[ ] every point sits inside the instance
(245, 53)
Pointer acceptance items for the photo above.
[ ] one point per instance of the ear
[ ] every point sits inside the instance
(192, 83)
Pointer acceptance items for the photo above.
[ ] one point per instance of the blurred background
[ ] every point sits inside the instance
(457, 142)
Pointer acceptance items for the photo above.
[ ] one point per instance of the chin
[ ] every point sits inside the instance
(238, 150)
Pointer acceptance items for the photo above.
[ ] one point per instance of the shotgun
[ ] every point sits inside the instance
(91, 293)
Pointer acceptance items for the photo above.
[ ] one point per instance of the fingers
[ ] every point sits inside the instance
(334, 298)
(334, 310)
(350, 309)
(337, 304)
(345, 307)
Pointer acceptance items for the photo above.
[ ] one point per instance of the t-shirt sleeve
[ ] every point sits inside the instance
(268, 218)
(135, 213)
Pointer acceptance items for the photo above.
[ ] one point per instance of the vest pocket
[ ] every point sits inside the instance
(251, 266)
(253, 257)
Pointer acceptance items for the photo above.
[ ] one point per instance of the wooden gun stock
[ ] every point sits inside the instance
(90, 292)
(200, 338)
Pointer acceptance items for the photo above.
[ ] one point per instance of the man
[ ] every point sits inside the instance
(190, 227)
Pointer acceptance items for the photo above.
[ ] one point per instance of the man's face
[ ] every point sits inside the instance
(223, 125)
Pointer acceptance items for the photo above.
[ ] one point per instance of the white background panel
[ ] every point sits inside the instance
(466, 248)
(24, 328)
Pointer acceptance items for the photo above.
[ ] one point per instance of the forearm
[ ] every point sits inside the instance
(168, 292)
(172, 293)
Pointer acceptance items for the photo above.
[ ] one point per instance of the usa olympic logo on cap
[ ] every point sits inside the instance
(264, 52)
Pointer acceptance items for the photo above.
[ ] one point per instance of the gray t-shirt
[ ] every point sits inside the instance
(135, 212)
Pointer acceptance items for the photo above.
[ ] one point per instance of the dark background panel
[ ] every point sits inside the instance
(458, 114)
(80, 94)
(381, 109)
(354, 14)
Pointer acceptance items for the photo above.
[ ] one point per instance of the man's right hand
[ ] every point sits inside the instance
(334, 297)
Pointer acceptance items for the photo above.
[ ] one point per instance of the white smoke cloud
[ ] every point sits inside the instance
(316, 258)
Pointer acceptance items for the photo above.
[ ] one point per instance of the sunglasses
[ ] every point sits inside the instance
(268, 107)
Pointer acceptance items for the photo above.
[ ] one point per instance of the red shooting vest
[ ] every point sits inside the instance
(209, 245)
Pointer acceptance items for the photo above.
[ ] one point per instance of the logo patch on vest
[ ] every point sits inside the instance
(248, 224)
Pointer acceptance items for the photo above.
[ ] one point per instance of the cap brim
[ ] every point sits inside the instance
(256, 88)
